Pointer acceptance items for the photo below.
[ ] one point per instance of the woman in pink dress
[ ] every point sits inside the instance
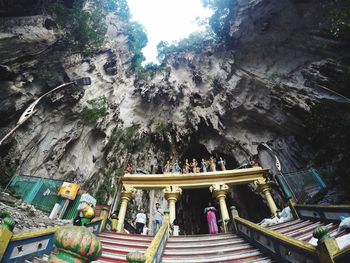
(211, 218)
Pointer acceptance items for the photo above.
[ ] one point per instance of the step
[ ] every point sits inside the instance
(282, 225)
(307, 236)
(120, 249)
(203, 244)
(125, 237)
(110, 257)
(202, 238)
(295, 227)
(225, 257)
(303, 230)
(208, 250)
(124, 243)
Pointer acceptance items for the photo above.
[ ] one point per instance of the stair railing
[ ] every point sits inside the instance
(155, 250)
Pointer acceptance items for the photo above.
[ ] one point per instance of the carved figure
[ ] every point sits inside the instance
(222, 164)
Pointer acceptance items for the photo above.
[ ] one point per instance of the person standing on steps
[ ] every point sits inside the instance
(209, 211)
(158, 218)
(140, 221)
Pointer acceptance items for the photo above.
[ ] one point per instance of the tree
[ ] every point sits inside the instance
(220, 20)
(195, 42)
(84, 28)
(137, 40)
(119, 8)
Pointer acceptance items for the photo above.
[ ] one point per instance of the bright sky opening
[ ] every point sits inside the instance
(167, 20)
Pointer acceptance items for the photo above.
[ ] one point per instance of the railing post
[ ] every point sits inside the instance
(76, 244)
(234, 214)
(5, 235)
(158, 242)
(136, 257)
(327, 246)
(103, 216)
(291, 204)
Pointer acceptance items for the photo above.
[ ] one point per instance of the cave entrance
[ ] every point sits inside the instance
(190, 211)
(195, 151)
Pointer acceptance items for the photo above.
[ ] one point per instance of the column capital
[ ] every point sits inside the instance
(262, 185)
(127, 192)
(172, 192)
(219, 190)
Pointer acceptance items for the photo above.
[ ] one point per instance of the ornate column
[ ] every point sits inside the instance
(126, 195)
(172, 194)
(220, 191)
(263, 186)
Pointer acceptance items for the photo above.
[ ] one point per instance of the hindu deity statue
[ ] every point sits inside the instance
(204, 165)
(176, 168)
(212, 164)
(167, 167)
(222, 164)
(186, 168)
(194, 166)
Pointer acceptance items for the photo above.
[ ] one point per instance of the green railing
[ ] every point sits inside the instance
(301, 185)
(40, 192)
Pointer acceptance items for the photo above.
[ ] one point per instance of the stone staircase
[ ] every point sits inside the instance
(211, 248)
(302, 229)
(115, 247)
(207, 248)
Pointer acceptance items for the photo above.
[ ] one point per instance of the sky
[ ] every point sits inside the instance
(167, 20)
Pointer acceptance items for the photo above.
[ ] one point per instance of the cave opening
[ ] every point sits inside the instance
(190, 211)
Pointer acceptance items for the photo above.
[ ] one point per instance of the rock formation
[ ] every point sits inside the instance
(277, 77)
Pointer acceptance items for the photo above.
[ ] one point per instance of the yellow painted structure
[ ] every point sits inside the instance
(264, 187)
(172, 194)
(152, 249)
(126, 195)
(172, 182)
(5, 237)
(282, 239)
(194, 180)
(220, 191)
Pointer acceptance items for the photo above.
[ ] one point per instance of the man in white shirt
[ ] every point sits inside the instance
(140, 221)
(158, 218)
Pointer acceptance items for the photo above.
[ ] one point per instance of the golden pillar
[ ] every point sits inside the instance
(220, 191)
(172, 194)
(264, 187)
(126, 195)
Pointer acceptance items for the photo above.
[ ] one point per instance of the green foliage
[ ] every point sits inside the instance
(137, 40)
(7, 171)
(341, 22)
(341, 28)
(83, 27)
(119, 8)
(4, 213)
(125, 137)
(188, 112)
(195, 42)
(162, 127)
(220, 20)
(96, 109)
